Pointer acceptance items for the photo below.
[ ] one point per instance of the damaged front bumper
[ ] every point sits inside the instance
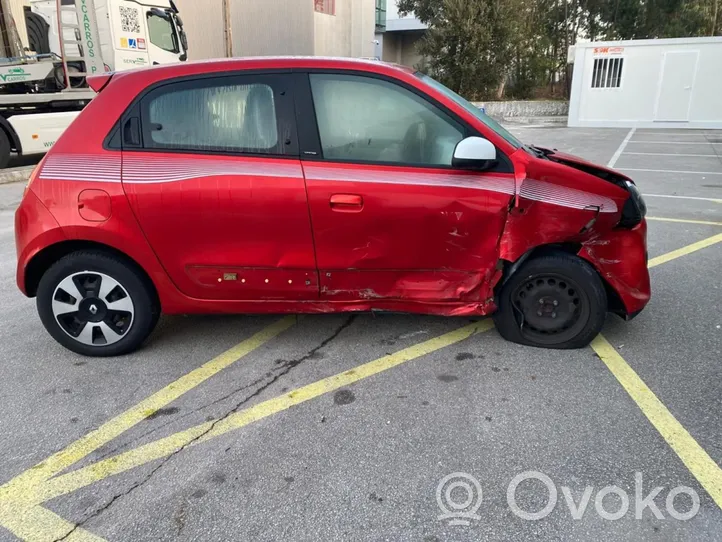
(620, 257)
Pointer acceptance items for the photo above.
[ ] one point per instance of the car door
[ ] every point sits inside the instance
(211, 170)
(392, 219)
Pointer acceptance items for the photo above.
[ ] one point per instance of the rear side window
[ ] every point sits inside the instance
(229, 114)
(364, 119)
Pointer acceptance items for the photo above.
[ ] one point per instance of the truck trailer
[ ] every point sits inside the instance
(48, 47)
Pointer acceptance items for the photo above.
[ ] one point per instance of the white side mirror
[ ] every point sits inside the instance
(474, 153)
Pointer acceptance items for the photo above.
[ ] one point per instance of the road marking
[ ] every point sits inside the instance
(715, 200)
(689, 249)
(671, 155)
(19, 511)
(683, 172)
(38, 524)
(620, 150)
(642, 132)
(675, 142)
(699, 463)
(72, 481)
(15, 488)
(684, 221)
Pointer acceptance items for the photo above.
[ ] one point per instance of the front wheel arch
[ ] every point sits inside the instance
(616, 305)
(576, 271)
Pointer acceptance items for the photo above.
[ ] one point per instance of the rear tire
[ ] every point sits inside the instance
(553, 301)
(4, 149)
(97, 304)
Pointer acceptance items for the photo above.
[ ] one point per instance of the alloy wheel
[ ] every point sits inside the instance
(93, 308)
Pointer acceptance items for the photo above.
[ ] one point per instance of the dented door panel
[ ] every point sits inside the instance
(422, 234)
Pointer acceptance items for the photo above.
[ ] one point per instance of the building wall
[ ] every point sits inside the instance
(272, 27)
(203, 23)
(635, 102)
(279, 27)
(394, 21)
(350, 32)
(402, 48)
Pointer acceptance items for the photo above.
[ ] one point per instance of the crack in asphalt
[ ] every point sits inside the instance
(286, 367)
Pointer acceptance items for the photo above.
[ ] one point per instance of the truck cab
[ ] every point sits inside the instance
(129, 33)
(44, 63)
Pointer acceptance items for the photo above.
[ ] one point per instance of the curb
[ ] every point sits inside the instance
(16, 174)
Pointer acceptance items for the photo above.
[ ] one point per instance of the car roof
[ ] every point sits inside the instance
(221, 65)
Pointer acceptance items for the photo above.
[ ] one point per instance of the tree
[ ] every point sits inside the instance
(483, 48)
(470, 43)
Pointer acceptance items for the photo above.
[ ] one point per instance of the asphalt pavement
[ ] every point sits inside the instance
(344, 427)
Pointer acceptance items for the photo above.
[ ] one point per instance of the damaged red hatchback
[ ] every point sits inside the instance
(317, 185)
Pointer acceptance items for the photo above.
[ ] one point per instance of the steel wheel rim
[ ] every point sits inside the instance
(551, 308)
(93, 308)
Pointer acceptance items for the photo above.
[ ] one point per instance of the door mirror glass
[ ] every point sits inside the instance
(474, 153)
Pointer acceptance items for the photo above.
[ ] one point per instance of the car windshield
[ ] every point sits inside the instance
(162, 33)
(471, 108)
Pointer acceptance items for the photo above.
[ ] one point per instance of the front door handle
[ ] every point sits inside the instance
(347, 203)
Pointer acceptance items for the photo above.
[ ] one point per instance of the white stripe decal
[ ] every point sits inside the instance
(492, 184)
(140, 169)
(530, 189)
(150, 170)
(565, 196)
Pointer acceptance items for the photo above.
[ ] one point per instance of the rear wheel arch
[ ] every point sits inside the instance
(44, 259)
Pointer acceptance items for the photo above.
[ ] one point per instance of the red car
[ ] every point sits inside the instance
(310, 185)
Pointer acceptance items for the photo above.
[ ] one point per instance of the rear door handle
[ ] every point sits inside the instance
(347, 203)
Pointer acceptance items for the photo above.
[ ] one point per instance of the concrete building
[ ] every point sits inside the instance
(398, 40)
(658, 83)
(281, 27)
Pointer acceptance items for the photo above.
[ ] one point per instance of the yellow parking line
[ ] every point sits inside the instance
(75, 480)
(684, 221)
(18, 486)
(39, 524)
(699, 463)
(689, 249)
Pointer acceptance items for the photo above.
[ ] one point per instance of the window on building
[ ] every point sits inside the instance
(607, 72)
(215, 116)
(326, 6)
(380, 15)
(363, 119)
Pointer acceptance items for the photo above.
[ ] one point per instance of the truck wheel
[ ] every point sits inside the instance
(97, 304)
(4, 149)
(37, 33)
(553, 301)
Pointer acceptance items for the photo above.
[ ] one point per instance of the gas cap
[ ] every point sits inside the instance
(94, 205)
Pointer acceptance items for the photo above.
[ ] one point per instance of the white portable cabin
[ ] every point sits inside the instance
(656, 83)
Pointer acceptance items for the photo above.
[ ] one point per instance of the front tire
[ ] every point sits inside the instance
(97, 304)
(553, 301)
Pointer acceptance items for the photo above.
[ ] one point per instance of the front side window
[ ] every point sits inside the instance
(471, 108)
(162, 33)
(212, 115)
(364, 119)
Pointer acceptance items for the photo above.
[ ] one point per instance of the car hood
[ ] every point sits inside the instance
(581, 164)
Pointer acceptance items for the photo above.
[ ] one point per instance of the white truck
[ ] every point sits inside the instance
(47, 47)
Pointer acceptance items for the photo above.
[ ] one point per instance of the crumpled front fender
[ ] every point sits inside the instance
(620, 257)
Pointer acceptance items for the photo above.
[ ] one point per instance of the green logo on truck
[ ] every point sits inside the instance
(139, 61)
(14, 74)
